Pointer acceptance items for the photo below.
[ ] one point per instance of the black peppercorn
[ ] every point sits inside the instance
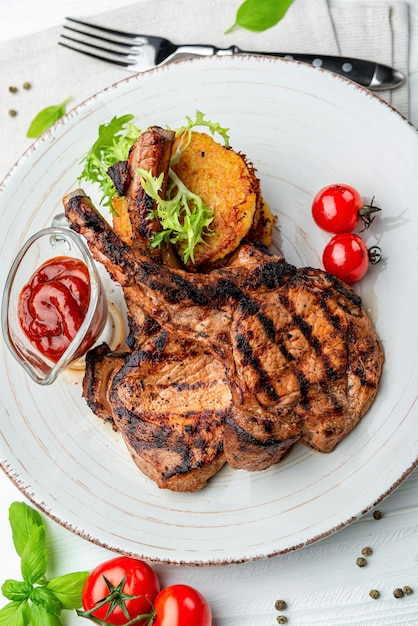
(280, 605)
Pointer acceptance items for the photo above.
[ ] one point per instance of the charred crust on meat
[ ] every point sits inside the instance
(271, 274)
(247, 438)
(343, 289)
(119, 175)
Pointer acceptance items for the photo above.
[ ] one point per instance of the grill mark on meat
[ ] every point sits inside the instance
(284, 351)
(314, 342)
(200, 384)
(336, 403)
(304, 385)
(307, 331)
(174, 287)
(250, 307)
(264, 382)
(361, 374)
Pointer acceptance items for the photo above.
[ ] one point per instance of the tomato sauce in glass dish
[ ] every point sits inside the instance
(53, 305)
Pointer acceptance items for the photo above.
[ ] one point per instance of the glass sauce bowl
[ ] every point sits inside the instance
(43, 246)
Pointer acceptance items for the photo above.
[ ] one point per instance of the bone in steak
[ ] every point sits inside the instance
(300, 357)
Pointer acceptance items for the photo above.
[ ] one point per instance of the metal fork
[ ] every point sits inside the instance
(138, 53)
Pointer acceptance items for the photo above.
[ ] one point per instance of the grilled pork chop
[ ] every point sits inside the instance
(300, 355)
(168, 400)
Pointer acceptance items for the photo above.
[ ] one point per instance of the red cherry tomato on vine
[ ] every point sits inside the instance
(134, 586)
(346, 256)
(181, 605)
(339, 208)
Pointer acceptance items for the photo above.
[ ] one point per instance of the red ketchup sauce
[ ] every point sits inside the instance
(53, 305)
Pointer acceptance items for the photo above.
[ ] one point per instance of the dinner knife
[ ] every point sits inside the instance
(374, 76)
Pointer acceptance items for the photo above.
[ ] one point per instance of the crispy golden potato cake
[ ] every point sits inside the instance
(121, 221)
(262, 227)
(227, 184)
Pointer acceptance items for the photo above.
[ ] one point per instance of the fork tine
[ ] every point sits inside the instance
(118, 53)
(96, 56)
(123, 44)
(128, 50)
(111, 31)
(110, 59)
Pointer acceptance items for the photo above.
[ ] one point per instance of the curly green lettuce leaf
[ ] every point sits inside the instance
(185, 132)
(112, 145)
(184, 219)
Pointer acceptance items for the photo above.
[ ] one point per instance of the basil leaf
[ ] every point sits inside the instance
(16, 590)
(259, 15)
(45, 118)
(47, 599)
(15, 614)
(41, 617)
(23, 521)
(34, 557)
(68, 589)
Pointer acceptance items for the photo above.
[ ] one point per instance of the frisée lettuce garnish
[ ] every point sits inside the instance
(183, 217)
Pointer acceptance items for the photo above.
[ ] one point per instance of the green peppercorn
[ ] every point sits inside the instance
(374, 593)
(281, 619)
(367, 551)
(398, 593)
(377, 514)
(280, 605)
(361, 562)
(12, 113)
(12, 89)
(26, 85)
(408, 590)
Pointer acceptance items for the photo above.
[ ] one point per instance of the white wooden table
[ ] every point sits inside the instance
(321, 584)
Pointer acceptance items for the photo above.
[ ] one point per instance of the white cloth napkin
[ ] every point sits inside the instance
(377, 31)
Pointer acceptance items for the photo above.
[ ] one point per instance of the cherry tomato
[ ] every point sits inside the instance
(346, 256)
(339, 208)
(121, 575)
(181, 605)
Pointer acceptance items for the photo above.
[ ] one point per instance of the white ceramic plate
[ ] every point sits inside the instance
(302, 128)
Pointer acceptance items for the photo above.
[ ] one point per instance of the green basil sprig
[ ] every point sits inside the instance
(259, 15)
(36, 600)
(45, 118)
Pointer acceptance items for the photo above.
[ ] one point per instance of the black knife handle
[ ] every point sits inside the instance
(366, 73)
